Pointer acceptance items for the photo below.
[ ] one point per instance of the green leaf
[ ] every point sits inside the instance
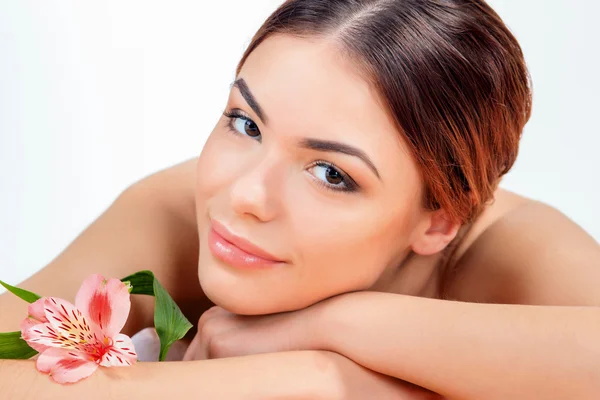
(142, 282)
(12, 347)
(170, 323)
(22, 293)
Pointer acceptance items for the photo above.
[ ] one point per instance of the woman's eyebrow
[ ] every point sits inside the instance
(250, 99)
(338, 147)
(307, 143)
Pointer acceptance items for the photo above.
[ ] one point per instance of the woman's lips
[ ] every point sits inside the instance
(236, 251)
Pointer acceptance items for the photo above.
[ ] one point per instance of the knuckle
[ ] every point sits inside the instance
(218, 347)
(208, 331)
(207, 316)
(213, 310)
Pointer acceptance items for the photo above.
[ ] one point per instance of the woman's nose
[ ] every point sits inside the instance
(254, 192)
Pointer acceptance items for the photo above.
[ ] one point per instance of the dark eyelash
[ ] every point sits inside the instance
(233, 114)
(352, 186)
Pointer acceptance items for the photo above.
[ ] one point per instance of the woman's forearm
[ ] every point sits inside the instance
(469, 350)
(289, 375)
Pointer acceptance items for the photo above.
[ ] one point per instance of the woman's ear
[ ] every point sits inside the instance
(434, 233)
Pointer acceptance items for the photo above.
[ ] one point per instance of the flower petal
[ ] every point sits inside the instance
(69, 323)
(105, 302)
(27, 324)
(36, 310)
(147, 344)
(36, 316)
(65, 366)
(49, 358)
(48, 336)
(120, 354)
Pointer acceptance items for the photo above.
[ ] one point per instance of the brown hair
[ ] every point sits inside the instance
(450, 73)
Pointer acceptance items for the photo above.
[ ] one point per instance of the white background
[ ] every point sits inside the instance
(96, 95)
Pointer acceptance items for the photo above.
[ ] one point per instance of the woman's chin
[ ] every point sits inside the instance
(240, 295)
(237, 302)
(256, 292)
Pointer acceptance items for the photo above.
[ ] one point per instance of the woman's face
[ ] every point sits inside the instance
(310, 169)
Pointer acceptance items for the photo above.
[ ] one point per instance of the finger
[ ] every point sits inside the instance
(191, 351)
(206, 315)
(177, 351)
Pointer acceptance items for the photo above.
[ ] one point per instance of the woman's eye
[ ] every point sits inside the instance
(246, 126)
(332, 178)
(243, 125)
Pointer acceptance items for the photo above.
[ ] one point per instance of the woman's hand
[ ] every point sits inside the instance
(224, 334)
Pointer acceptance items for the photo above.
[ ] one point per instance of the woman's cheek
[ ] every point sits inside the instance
(217, 164)
(347, 249)
(337, 259)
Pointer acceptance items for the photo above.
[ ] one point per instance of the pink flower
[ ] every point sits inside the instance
(74, 340)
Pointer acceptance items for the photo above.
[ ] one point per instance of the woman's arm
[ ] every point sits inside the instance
(290, 375)
(549, 349)
(151, 225)
(467, 350)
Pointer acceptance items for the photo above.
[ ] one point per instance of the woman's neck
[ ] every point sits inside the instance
(419, 275)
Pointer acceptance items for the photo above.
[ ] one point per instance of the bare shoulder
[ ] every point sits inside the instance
(528, 252)
(179, 178)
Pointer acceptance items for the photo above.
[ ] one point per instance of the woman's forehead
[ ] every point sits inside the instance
(308, 75)
(306, 88)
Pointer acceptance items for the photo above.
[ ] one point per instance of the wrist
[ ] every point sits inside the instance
(331, 319)
(318, 326)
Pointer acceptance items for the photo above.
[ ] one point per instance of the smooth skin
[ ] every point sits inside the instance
(139, 226)
(259, 176)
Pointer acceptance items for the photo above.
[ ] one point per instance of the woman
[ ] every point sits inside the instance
(351, 192)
